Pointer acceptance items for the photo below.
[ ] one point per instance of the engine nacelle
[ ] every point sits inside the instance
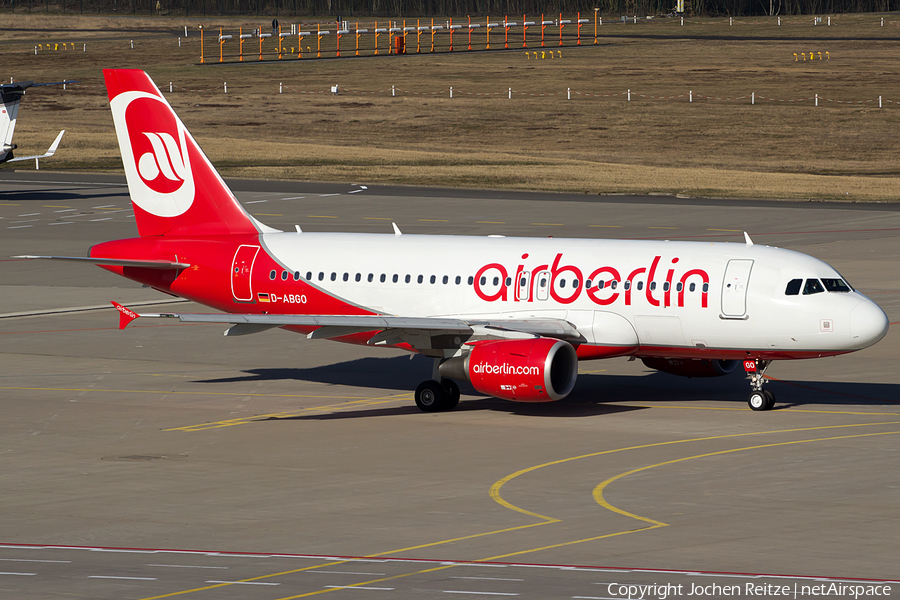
(692, 367)
(532, 370)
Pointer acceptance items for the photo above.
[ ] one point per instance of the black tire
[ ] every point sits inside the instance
(770, 399)
(758, 400)
(452, 394)
(430, 396)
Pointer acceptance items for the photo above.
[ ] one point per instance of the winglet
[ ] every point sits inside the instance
(747, 239)
(52, 150)
(126, 315)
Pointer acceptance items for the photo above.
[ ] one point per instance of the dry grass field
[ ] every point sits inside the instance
(597, 142)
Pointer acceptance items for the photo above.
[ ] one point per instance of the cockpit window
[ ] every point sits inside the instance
(813, 286)
(793, 287)
(836, 285)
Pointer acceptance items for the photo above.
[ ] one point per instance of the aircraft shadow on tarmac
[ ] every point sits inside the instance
(58, 195)
(594, 394)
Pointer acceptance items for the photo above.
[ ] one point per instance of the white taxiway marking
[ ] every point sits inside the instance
(5, 573)
(255, 201)
(489, 578)
(30, 215)
(66, 210)
(105, 206)
(63, 223)
(480, 593)
(354, 191)
(187, 566)
(357, 587)
(245, 582)
(345, 573)
(294, 198)
(104, 219)
(117, 577)
(33, 560)
(324, 195)
(20, 227)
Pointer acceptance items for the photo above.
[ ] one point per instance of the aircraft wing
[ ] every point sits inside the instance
(422, 333)
(116, 262)
(50, 151)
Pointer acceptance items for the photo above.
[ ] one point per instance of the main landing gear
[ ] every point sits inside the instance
(434, 396)
(759, 399)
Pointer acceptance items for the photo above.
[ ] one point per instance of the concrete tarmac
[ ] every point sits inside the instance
(270, 466)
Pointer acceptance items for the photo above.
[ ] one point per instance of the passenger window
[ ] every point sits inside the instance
(446, 280)
(284, 275)
(408, 278)
(296, 275)
(652, 285)
(458, 279)
(471, 280)
(679, 287)
(383, 277)
(640, 285)
(395, 278)
(575, 284)
(483, 280)
(358, 276)
(496, 281)
(509, 281)
(333, 276)
(813, 286)
(614, 283)
(693, 287)
(836, 285)
(309, 275)
(562, 283)
(272, 274)
(321, 275)
(628, 285)
(433, 279)
(705, 288)
(370, 277)
(793, 287)
(346, 276)
(420, 279)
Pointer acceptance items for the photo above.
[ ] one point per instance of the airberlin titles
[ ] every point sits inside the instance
(602, 285)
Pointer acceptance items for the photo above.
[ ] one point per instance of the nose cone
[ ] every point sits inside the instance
(868, 324)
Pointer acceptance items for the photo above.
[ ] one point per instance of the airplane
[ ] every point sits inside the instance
(11, 96)
(512, 316)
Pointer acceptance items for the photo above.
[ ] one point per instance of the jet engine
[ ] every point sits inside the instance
(692, 367)
(532, 370)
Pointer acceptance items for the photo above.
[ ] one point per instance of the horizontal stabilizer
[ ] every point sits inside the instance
(117, 262)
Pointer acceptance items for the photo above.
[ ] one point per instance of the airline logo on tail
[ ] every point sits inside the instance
(155, 153)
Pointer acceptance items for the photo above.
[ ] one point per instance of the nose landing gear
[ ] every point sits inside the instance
(759, 398)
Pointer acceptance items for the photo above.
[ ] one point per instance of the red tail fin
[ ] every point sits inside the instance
(174, 188)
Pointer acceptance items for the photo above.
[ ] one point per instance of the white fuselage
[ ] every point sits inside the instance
(678, 295)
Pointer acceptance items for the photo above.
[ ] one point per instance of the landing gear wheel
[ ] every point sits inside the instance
(758, 400)
(770, 400)
(431, 396)
(452, 394)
